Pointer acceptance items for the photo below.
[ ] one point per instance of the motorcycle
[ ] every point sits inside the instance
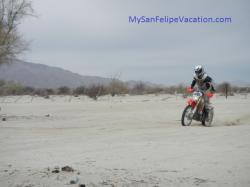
(195, 110)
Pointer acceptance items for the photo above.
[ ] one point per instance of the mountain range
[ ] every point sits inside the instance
(43, 76)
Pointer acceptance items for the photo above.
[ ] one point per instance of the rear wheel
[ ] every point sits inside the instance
(207, 121)
(187, 116)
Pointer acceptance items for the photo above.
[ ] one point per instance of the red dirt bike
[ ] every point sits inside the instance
(195, 110)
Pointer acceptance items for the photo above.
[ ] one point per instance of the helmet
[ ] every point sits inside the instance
(199, 71)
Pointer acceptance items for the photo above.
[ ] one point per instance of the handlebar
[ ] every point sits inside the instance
(191, 90)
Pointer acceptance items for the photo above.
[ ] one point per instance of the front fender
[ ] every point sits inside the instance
(191, 102)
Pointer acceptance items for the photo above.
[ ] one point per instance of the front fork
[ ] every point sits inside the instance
(193, 111)
(194, 105)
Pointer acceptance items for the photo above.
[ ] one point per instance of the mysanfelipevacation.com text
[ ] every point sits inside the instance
(178, 19)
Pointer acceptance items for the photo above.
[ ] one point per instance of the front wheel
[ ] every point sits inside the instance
(187, 116)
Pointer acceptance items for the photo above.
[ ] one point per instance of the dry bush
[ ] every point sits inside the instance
(40, 92)
(224, 88)
(181, 89)
(170, 90)
(50, 91)
(63, 90)
(2, 85)
(154, 90)
(28, 90)
(79, 90)
(138, 89)
(11, 88)
(243, 89)
(117, 87)
(95, 91)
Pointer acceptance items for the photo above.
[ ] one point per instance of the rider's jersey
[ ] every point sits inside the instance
(205, 83)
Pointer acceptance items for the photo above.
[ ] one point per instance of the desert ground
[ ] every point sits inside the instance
(122, 141)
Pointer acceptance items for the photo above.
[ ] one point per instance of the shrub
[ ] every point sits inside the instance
(63, 90)
(95, 91)
(2, 83)
(138, 89)
(28, 90)
(50, 91)
(224, 88)
(79, 90)
(117, 87)
(40, 92)
(14, 89)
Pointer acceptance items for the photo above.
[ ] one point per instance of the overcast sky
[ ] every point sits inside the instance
(94, 37)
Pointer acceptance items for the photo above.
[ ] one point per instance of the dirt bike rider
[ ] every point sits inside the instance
(204, 83)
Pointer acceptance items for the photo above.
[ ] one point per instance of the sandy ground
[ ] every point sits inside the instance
(122, 141)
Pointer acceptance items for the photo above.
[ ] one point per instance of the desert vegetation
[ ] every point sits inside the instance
(114, 88)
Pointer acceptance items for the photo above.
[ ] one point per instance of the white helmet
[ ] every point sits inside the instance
(199, 71)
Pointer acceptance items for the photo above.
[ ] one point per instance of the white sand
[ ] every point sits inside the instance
(122, 141)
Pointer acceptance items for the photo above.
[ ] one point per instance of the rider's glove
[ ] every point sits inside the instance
(209, 94)
(189, 89)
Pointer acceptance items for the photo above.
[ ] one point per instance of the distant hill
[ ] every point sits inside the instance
(43, 76)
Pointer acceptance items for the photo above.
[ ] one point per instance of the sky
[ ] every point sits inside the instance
(94, 37)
